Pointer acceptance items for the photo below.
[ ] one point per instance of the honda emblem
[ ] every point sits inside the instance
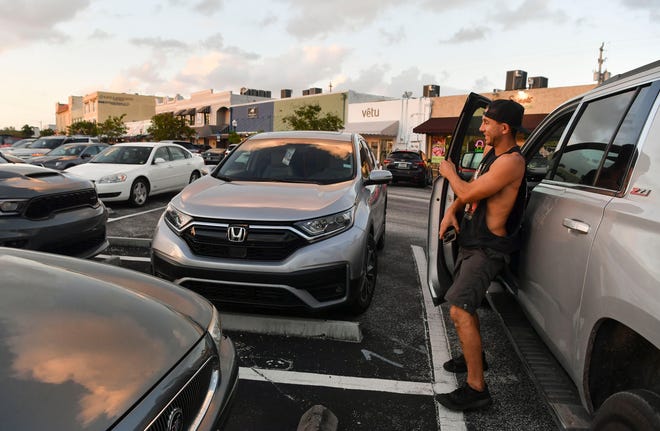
(236, 233)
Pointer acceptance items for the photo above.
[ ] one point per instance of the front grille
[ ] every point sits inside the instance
(270, 244)
(187, 404)
(43, 206)
(255, 295)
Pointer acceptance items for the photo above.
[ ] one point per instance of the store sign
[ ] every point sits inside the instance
(252, 112)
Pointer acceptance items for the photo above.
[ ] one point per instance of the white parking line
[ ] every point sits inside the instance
(136, 214)
(443, 380)
(332, 381)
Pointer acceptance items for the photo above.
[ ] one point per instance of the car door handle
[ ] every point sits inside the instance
(577, 225)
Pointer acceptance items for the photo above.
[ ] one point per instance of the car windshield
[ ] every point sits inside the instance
(124, 155)
(67, 150)
(319, 162)
(47, 143)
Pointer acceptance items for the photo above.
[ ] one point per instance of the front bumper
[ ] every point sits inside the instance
(79, 232)
(317, 276)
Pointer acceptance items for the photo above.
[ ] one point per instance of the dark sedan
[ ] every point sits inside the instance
(44, 209)
(213, 156)
(89, 346)
(68, 155)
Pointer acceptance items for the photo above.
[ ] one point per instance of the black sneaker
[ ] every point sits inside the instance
(458, 365)
(465, 398)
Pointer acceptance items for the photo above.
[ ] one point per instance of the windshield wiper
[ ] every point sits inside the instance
(224, 178)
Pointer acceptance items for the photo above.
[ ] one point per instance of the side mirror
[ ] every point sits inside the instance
(159, 160)
(85, 156)
(379, 176)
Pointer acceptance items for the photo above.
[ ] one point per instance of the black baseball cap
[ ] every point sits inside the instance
(507, 111)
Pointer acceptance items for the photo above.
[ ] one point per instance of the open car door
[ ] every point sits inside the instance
(440, 257)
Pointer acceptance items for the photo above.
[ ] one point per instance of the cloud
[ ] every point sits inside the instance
(158, 43)
(391, 37)
(468, 35)
(209, 6)
(650, 6)
(529, 11)
(100, 34)
(311, 19)
(22, 23)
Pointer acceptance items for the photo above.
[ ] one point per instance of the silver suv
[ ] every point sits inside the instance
(587, 276)
(288, 219)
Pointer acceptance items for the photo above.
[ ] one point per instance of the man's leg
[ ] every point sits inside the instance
(467, 327)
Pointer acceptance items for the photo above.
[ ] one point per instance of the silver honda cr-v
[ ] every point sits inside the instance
(288, 219)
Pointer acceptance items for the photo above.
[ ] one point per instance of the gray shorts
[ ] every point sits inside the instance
(475, 269)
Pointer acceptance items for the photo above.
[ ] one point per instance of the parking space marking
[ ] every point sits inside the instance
(292, 326)
(126, 258)
(443, 380)
(334, 381)
(136, 214)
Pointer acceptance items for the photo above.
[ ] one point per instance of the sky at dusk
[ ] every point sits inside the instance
(51, 50)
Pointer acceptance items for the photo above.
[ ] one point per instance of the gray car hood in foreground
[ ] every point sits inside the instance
(26, 181)
(77, 349)
(265, 201)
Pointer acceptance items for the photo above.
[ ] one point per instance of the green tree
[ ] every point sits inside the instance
(308, 117)
(47, 132)
(234, 138)
(26, 131)
(167, 126)
(83, 128)
(112, 128)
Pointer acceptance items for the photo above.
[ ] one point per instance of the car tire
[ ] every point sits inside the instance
(364, 292)
(139, 192)
(194, 176)
(629, 410)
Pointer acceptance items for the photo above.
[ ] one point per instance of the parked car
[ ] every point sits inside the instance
(587, 274)
(194, 149)
(133, 171)
(47, 210)
(288, 219)
(8, 140)
(470, 162)
(68, 155)
(411, 166)
(213, 156)
(23, 143)
(99, 347)
(43, 145)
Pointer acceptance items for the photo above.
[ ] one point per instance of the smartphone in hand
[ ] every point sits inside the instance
(449, 235)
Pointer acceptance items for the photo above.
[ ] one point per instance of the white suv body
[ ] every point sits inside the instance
(588, 274)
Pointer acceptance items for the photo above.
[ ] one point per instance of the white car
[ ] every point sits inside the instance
(133, 171)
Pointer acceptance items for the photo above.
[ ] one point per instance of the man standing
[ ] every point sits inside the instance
(492, 203)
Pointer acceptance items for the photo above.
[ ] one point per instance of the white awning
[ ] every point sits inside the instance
(376, 128)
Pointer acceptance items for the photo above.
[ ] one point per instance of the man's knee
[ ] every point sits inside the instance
(460, 317)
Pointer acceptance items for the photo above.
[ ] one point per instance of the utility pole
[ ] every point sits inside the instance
(600, 76)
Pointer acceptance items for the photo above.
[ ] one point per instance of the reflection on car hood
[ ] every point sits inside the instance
(94, 171)
(77, 352)
(268, 201)
(27, 151)
(45, 159)
(25, 181)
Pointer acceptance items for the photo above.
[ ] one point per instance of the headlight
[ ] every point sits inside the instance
(215, 328)
(176, 219)
(12, 206)
(115, 178)
(327, 225)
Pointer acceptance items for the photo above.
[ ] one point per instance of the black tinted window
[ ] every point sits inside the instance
(587, 144)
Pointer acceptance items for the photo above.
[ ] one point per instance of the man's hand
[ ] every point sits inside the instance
(446, 168)
(447, 221)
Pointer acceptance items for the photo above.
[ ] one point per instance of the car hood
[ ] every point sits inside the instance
(18, 152)
(267, 201)
(46, 159)
(94, 171)
(81, 341)
(25, 181)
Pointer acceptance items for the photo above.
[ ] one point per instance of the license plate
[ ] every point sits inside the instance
(403, 165)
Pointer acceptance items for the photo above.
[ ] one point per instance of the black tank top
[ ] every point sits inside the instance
(474, 230)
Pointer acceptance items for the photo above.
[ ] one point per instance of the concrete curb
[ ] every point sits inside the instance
(318, 418)
(120, 241)
(292, 326)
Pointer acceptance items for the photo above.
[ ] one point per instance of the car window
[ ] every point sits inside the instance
(67, 150)
(605, 132)
(47, 143)
(126, 155)
(177, 153)
(319, 162)
(162, 153)
(366, 160)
